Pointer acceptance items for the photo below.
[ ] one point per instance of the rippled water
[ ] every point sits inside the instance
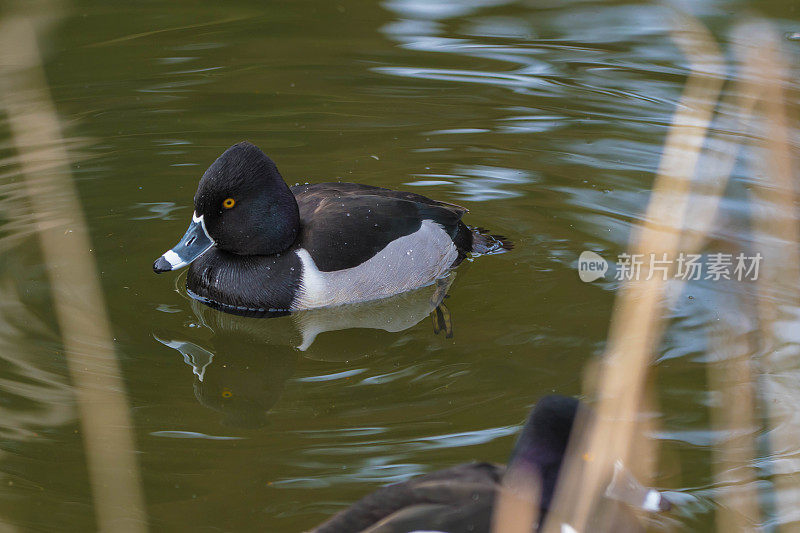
(546, 119)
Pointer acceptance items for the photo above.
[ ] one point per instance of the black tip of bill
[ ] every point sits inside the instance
(161, 265)
(192, 245)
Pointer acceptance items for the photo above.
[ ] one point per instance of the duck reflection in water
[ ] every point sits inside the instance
(238, 378)
(242, 369)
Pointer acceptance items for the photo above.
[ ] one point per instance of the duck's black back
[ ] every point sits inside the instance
(457, 499)
(345, 224)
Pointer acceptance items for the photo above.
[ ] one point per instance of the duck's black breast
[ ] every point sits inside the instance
(456, 499)
(246, 282)
(345, 224)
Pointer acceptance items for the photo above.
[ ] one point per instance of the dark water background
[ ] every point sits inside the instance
(545, 118)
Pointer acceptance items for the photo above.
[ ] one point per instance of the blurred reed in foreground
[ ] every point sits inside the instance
(74, 283)
(638, 319)
(681, 217)
(776, 232)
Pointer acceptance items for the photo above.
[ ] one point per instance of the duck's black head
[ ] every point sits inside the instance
(540, 451)
(247, 207)
(242, 205)
(543, 442)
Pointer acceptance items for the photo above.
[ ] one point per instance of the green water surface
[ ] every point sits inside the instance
(545, 119)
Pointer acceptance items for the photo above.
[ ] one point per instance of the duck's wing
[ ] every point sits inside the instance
(456, 499)
(321, 190)
(345, 224)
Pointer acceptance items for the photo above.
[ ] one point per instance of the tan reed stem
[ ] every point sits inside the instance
(637, 320)
(77, 295)
(777, 237)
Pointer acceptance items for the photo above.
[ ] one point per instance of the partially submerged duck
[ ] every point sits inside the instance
(256, 244)
(463, 498)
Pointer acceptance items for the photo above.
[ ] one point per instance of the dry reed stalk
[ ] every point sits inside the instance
(637, 320)
(517, 505)
(77, 295)
(732, 376)
(732, 373)
(777, 237)
(712, 179)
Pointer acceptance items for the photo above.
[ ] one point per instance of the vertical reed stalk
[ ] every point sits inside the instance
(732, 376)
(776, 233)
(637, 320)
(77, 295)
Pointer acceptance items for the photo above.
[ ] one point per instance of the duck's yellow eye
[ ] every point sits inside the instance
(228, 203)
(226, 393)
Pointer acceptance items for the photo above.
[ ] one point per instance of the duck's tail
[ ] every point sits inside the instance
(484, 242)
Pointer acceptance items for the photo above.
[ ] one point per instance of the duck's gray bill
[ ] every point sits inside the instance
(193, 244)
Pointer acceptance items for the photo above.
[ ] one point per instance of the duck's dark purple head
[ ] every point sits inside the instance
(543, 442)
(242, 205)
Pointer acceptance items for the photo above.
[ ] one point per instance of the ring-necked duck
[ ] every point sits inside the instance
(256, 244)
(462, 498)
